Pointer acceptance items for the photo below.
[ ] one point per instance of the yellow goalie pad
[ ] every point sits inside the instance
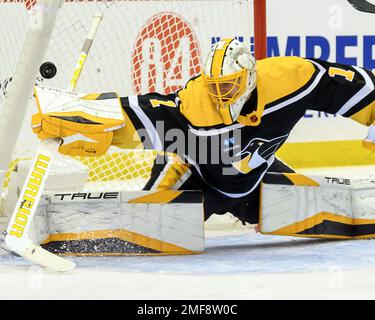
(317, 206)
(84, 122)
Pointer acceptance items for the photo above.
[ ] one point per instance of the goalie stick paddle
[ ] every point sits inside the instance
(16, 237)
(363, 6)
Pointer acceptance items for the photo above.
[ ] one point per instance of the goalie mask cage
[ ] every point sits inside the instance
(141, 46)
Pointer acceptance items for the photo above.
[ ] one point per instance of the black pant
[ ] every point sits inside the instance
(247, 209)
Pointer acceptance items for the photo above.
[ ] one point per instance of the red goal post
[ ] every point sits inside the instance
(260, 29)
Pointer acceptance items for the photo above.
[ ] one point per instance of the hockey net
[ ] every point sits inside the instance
(141, 46)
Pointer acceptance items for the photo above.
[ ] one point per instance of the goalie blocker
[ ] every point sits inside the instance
(321, 207)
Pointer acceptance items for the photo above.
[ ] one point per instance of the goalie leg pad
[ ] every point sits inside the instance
(322, 207)
(121, 223)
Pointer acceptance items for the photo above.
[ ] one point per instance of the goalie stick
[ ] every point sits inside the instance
(16, 237)
(363, 6)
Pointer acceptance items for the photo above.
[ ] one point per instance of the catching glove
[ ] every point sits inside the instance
(84, 123)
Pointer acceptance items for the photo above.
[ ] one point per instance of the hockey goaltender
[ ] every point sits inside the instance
(224, 127)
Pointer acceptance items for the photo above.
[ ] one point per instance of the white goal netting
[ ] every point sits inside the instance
(141, 46)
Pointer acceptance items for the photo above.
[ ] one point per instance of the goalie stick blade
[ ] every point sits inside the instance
(47, 259)
(25, 248)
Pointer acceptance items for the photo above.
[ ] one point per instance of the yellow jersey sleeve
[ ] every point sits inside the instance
(282, 77)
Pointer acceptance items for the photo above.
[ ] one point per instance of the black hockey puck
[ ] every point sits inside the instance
(48, 70)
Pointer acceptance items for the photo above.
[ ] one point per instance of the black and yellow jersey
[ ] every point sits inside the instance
(232, 160)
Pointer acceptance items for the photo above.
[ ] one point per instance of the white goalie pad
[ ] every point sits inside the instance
(317, 206)
(120, 223)
(72, 221)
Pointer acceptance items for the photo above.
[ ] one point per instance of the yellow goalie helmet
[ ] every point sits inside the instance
(230, 75)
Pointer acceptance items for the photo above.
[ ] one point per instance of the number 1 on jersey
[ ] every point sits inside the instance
(157, 103)
(348, 74)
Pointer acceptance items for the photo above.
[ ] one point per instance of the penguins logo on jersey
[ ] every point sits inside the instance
(257, 152)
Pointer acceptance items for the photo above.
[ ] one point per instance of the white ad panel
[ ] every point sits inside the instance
(332, 30)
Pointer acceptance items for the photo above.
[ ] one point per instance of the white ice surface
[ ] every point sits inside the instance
(237, 264)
